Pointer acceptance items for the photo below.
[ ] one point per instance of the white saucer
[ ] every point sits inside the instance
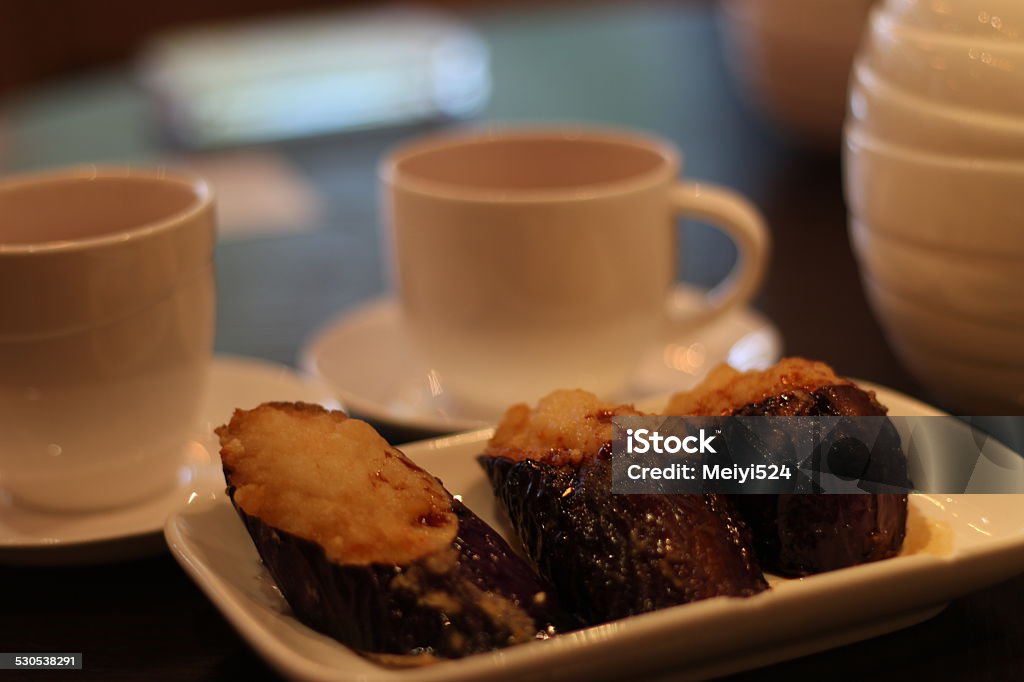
(367, 359)
(31, 536)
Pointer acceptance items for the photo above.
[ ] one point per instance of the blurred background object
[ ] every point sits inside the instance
(38, 41)
(934, 177)
(265, 80)
(259, 192)
(791, 59)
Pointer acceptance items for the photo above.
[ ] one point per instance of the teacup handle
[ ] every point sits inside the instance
(737, 217)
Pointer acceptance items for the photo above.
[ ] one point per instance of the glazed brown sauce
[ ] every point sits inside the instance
(434, 519)
(925, 536)
(401, 660)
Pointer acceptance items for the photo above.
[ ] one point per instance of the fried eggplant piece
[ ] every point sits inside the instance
(610, 556)
(368, 547)
(803, 534)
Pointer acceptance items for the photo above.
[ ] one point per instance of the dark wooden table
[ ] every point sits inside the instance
(650, 66)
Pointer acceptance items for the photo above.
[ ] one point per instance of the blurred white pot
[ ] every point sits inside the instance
(968, 338)
(934, 180)
(985, 74)
(991, 19)
(963, 203)
(971, 284)
(883, 110)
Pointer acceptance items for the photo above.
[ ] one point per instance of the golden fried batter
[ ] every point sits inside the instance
(726, 389)
(305, 470)
(565, 426)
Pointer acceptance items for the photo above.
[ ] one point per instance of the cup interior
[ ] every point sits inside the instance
(528, 163)
(82, 206)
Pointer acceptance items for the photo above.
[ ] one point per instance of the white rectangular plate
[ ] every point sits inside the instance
(955, 544)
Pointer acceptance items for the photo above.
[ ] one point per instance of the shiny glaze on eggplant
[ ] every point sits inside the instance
(611, 556)
(803, 534)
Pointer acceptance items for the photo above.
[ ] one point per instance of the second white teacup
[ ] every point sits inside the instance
(106, 332)
(532, 259)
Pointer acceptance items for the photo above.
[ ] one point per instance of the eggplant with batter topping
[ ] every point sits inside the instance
(803, 534)
(369, 548)
(609, 556)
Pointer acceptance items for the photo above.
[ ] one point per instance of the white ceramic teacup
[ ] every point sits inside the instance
(532, 259)
(106, 331)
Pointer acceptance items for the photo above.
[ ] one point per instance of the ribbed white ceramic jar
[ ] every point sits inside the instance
(934, 180)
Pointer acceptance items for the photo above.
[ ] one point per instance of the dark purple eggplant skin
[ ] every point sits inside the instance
(379, 608)
(798, 535)
(612, 556)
